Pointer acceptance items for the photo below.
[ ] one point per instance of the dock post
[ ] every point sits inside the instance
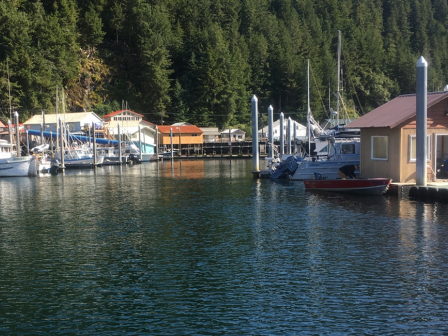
(294, 124)
(27, 143)
(140, 141)
(120, 158)
(282, 136)
(270, 130)
(10, 132)
(157, 143)
(288, 137)
(16, 122)
(171, 138)
(255, 154)
(94, 144)
(421, 121)
(61, 139)
(41, 133)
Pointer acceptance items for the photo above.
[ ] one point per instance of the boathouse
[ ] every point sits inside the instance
(388, 138)
(188, 139)
(76, 121)
(129, 122)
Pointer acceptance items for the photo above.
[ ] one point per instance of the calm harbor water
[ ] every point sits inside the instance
(201, 248)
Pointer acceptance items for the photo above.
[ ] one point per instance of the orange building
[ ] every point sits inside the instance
(188, 139)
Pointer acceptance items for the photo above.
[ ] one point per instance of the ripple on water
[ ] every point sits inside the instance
(168, 253)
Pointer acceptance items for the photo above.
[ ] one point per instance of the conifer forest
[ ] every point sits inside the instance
(201, 61)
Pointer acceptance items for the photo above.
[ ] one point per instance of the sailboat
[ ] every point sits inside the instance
(12, 163)
(333, 149)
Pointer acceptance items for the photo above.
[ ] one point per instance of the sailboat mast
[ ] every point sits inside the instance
(339, 73)
(58, 129)
(9, 91)
(309, 110)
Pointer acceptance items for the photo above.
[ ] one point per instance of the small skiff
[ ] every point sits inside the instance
(368, 186)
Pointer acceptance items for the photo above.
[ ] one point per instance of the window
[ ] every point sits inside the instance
(413, 148)
(379, 148)
(348, 149)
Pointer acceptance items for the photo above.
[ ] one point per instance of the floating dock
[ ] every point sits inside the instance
(432, 192)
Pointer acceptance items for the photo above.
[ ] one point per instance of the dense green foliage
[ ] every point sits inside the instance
(202, 60)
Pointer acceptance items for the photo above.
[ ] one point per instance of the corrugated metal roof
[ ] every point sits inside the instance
(67, 117)
(395, 112)
(183, 129)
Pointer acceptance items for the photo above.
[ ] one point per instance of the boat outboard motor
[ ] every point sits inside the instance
(135, 159)
(54, 166)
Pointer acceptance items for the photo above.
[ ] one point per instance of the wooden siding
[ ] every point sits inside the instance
(436, 117)
(381, 168)
(186, 139)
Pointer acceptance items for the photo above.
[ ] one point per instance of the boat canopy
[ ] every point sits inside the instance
(73, 137)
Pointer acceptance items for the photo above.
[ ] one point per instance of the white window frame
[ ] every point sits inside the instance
(387, 148)
(428, 148)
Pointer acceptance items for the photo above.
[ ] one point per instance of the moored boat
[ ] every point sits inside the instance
(13, 165)
(368, 186)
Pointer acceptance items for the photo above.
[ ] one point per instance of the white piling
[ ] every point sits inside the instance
(255, 154)
(10, 132)
(120, 157)
(294, 124)
(271, 130)
(172, 148)
(282, 135)
(61, 139)
(421, 121)
(140, 141)
(27, 143)
(288, 137)
(157, 143)
(94, 144)
(16, 122)
(41, 133)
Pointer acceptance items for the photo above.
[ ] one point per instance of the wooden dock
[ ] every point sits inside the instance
(432, 192)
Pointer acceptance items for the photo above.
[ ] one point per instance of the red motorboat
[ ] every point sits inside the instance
(368, 186)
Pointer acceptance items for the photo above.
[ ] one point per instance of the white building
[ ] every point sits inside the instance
(211, 134)
(235, 134)
(300, 130)
(129, 122)
(76, 121)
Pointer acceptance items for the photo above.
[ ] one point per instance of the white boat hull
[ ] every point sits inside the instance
(18, 166)
(306, 169)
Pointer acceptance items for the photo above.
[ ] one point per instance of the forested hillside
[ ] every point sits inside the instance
(202, 60)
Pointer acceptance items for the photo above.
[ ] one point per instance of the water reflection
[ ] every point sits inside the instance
(201, 248)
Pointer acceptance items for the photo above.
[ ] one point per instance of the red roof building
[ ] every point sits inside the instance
(388, 137)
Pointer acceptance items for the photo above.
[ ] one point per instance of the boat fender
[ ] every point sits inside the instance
(423, 194)
(442, 196)
(413, 192)
(432, 194)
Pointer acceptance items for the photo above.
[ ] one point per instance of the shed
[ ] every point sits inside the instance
(188, 138)
(388, 137)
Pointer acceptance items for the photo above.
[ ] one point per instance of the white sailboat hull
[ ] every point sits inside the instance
(18, 166)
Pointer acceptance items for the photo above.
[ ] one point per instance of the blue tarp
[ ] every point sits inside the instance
(73, 137)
